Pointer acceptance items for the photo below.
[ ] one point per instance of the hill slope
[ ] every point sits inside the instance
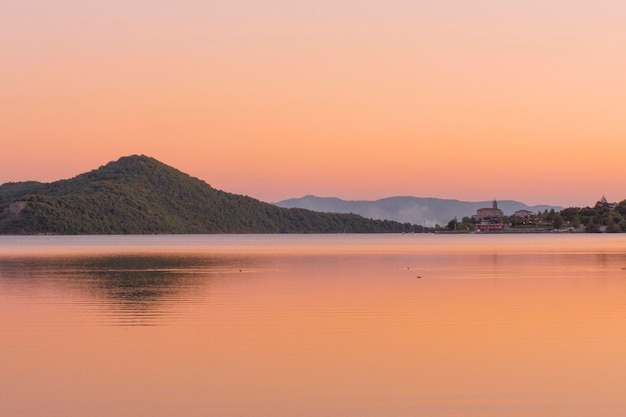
(407, 209)
(140, 195)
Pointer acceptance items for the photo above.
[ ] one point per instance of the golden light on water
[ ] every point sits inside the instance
(457, 325)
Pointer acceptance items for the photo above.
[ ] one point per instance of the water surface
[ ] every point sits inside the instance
(313, 325)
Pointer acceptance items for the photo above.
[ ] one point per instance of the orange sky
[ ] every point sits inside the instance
(471, 100)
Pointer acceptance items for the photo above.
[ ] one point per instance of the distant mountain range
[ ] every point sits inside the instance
(140, 195)
(414, 210)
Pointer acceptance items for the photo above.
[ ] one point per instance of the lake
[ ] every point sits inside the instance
(313, 325)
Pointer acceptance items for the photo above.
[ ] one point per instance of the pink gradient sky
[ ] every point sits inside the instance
(360, 100)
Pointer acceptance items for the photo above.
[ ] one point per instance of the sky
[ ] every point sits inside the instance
(463, 99)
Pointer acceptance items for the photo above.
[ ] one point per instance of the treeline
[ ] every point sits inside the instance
(603, 217)
(140, 195)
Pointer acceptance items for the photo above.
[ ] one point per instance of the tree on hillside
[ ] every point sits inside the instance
(615, 223)
(611, 225)
(621, 208)
(569, 213)
(591, 227)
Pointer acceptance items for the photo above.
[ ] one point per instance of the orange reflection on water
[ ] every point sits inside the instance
(491, 330)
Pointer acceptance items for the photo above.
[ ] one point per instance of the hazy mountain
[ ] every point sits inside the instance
(138, 194)
(415, 210)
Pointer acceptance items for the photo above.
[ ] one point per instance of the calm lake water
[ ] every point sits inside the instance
(313, 325)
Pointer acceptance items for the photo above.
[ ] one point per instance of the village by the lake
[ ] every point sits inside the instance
(603, 217)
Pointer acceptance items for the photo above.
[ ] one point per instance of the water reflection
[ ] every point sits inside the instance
(328, 328)
(128, 289)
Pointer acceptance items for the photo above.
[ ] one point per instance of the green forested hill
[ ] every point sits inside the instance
(141, 195)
